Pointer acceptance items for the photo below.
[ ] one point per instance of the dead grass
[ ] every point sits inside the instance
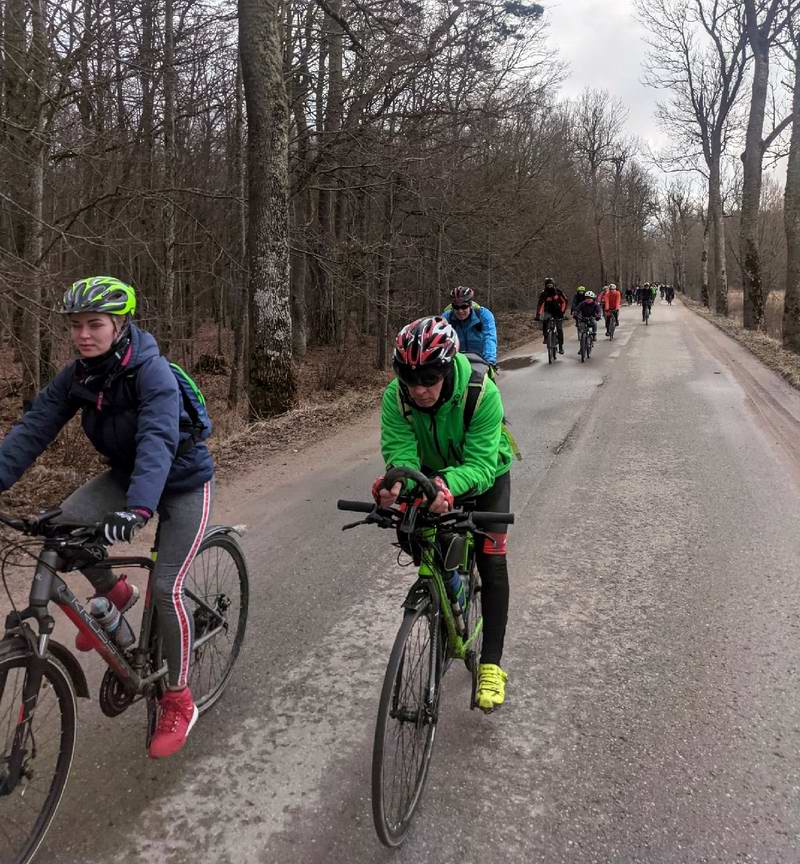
(774, 311)
(767, 348)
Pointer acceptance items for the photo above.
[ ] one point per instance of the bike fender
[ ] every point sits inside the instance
(67, 659)
(62, 654)
(214, 530)
(419, 594)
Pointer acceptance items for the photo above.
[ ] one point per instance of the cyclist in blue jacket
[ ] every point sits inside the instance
(133, 414)
(474, 325)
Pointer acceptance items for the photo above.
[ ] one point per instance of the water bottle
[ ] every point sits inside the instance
(455, 590)
(112, 621)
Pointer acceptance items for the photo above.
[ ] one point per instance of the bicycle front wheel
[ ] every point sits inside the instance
(217, 597)
(35, 756)
(474, 622)
(407, 719)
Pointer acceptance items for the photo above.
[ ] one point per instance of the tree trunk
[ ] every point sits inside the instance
(752, 159)
(705, 294)
(598, 223)
(299, 269)
(718, 225)
(272, 383)
(168, 294)
(327, 309)
(240, 313)
(383, 334)
(791, 216)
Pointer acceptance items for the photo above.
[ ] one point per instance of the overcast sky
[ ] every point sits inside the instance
(603, 44)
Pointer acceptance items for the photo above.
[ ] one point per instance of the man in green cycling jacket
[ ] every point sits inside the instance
(422, 427)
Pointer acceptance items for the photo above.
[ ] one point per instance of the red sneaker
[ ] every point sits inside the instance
(123, 596)
(177, 716)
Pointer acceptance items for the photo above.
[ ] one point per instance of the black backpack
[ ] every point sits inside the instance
(477, 381)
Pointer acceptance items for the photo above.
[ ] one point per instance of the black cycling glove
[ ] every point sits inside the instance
(122, 525)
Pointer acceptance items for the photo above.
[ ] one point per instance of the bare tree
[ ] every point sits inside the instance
(791, 210)
(765, 20)
(698, 53)
(599, 120)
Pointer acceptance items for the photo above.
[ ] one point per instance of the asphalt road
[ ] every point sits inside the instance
(652, 711)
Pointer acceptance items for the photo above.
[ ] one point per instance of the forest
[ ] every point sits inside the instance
(301, 175)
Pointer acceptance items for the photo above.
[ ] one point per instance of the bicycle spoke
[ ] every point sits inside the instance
(405, 730)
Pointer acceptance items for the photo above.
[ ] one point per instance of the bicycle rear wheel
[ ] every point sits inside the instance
(217, 596)
(406, 726)
(35, 757)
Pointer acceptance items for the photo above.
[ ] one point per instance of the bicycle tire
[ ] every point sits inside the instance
(473, 616)
(612, 326)
(414, 667)
(207, 689)
(51, 789)
(583, 347)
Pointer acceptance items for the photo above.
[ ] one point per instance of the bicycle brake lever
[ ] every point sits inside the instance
(374, 518)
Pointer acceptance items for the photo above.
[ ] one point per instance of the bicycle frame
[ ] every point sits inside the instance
(49, 587)
(431, 581)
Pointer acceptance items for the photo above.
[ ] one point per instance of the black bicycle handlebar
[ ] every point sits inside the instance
(399, 475)
(43, 526)
(480, 518)
(355, 506)
(486, 517)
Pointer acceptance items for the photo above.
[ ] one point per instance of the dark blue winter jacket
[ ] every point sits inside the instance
(476, 335)
(135, 418)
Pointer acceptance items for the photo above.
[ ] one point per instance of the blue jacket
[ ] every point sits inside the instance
(476, 335)
(134, 421)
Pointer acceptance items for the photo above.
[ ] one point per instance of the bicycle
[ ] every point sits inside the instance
(585, 339)
(645, 313)
(612, 325)
(40, 678)
(551, 338)
(430, 638)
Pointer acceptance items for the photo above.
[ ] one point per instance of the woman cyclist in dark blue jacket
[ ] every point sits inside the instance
(132, 411)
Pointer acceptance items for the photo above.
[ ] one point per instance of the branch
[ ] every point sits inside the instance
(342, 22)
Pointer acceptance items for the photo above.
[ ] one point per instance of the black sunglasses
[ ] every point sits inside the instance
(420, 377)
(461, 305)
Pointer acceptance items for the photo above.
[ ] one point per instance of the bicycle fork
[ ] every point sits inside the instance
(23, 734)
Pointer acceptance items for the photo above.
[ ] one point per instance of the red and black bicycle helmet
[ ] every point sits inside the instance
(462, 294)
(424, 349)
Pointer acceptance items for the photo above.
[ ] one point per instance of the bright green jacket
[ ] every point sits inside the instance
(415, 439)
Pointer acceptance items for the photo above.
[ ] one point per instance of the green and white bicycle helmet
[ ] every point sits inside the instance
(99, 294)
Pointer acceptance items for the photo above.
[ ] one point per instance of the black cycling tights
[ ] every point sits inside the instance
(494, 597)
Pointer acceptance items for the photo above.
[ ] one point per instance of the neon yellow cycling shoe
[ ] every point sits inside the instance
(491, 687)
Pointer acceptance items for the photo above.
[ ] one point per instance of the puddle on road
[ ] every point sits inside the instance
(517, 362)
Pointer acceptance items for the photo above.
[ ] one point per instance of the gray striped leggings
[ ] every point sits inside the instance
(183, 517)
